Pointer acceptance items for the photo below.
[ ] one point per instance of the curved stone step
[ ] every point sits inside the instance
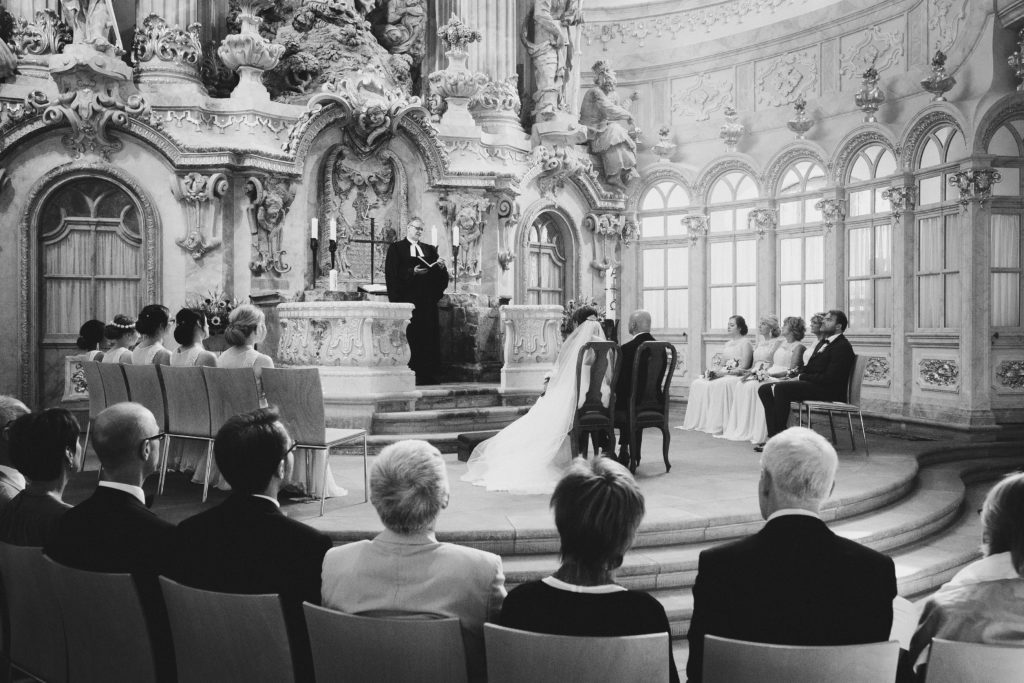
(446, 420)
(460, 396)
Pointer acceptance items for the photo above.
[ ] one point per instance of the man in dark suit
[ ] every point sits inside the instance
(11, 480)
(824, 378)
(794, 582)
(112, 531)
(415, 275)
(640, 328)
(245, 544)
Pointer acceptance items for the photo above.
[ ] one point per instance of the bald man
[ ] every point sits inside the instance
(640, 328)
(11, 481)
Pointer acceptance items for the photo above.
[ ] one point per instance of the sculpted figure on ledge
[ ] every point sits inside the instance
(555, 40)
(92, 21)
(610, 128)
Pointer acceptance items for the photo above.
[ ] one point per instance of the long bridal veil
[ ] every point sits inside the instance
(530, 455)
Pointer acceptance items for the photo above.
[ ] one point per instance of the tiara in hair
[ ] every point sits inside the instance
(128, 326)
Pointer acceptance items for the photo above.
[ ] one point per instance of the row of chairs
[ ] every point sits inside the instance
(192, 403)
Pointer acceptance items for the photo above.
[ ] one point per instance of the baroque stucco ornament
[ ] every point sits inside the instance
(610, 230)
(558, 164)
(468, 213)
(943, 373)
(901, 198)
(199, 196)
(974, 184)
(509, 213)
(44, 34)
(269, 202)
(1010, 374)
(762, 220)
(249, 53)
(165, 50)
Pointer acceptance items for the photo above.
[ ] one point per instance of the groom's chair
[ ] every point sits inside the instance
(647, 407)
(600, 360)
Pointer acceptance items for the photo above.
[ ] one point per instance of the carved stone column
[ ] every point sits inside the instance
(38, 33)
(532, 341)
(902, 203)
(180, 12)
(496, 107)
(168, 46)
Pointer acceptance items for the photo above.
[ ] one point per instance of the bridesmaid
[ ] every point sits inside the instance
(190, 329)
(121, 332)
(708, 404)
(90, 336)
(152, 325)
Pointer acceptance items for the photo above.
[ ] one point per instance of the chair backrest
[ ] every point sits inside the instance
(738, 661)
(951, 662)
(653, 367)
(231, 391)
(97, 396)
(144, 387)
(114, 385)
(298, 395)
(107, 634)
(606, 363)
(514, 656)
(36, 642)
(856, 379)
(347, 647)
(186, 400)
(227, 637)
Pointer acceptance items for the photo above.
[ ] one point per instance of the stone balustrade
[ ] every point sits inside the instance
(532, 341)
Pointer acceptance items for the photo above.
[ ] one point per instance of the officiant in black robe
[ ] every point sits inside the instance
(414, 274)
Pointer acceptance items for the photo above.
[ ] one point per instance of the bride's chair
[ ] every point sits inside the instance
(600, 360)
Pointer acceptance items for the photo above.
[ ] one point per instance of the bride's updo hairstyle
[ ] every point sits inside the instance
(90, 335)
(152, 320)
(186, 322)
(581, 314)
(242, 323)
(121, 326)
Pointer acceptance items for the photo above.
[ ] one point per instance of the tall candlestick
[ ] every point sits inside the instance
(314, 229)
(334, 228)
(332, 280)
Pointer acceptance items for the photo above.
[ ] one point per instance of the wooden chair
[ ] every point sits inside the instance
(738, 661)
(188, 410)
(852, 404)
(348, 647)
(34, 638)
(593, 416)
(107, 634)
(951, 662)
(299, 397)
(144, 387)
(114, 385)
(515, 656)
(227, 637)
(97, 401)
(653, 367)
(231, 391)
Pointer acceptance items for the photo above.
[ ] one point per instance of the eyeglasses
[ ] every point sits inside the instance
(155, 437)
(294, 445)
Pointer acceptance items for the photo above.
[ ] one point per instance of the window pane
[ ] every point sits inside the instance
(815, 301)
(860, 250)
(814, 258)
(883, 249)
(789, 300)
(883, 303)
(722, 221)
(654, 268)
(652, 226)
(722, 192)
(789, 213)
(929, 246)
(952, 242)
(1005, 299)
(860, 203)
(742, 218)
(930, 156)
(1003, 143)
(678, 267)
(952, 311)
(811, 213)
(747, 189)
(789, 259)
(929, 297)
(654, 302)
(678, 198)
(931, 190)
(881, 203)
(721, 307)
(791, 183)
(721, 263)
(886, 165)
(955, 148)
(653, 200)
(674, 225)
(1009, 186)
(860, 304)
(861, 170)
(746, 303)
(746, 261)
(678, 308)
(1005, 241)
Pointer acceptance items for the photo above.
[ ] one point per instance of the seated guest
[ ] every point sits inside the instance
(640, 328)
(984, 602)
(404, 571)
(245, 544)
(11, 480)
(794, 582)
(122, 335)
(190, 329)
(152, 325)
(598, 509)
(44, 448)
(710, 396)
(90, 336)
(815, 327)
(824, 378)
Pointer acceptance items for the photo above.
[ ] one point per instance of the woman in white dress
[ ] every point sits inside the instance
(746, 421)
(816, 321)
(190, 328)
(90, 336)
(121, 332)
(152, 325)
(710, 396)
(531, 454)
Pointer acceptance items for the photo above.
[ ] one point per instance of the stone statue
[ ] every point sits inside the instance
(92, 22)
(610, 128)
(555, 40)
(269, 204)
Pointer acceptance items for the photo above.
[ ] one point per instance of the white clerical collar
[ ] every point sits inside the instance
(127, 488)
(573, 588)
(14, 475)
(414, 248)
(792, 511)
(272, 500)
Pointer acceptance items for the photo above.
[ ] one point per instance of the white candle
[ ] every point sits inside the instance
(332, 279)
(314, 229)
(455, 235)
(433, 235)
(334, 228)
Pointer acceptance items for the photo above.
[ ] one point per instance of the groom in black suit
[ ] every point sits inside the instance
(824, 378)
(640, 327)
(415, 275)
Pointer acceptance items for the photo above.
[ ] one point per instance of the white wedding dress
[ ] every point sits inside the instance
(746, 421)
(531, 454)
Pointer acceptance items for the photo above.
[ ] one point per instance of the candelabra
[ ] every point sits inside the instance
(800, 124)
(332, 246)
(314, 246)
(455, 265)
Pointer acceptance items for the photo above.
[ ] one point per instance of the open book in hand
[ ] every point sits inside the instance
(439, 263)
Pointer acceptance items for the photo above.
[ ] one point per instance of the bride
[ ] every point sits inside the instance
(531, 454)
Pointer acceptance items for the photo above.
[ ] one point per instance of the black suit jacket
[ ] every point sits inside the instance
(830, 368)
(792, 583)
(407, 286)
(625, 382)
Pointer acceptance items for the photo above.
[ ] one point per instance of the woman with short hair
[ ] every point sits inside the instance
(152, 325)
(122, 334)
(598, 509)
(984, 602)
(404, 570)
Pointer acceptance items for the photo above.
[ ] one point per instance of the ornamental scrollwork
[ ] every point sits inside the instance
(786, 78)
(705, 96)
(876, 50)
(558, 164)
(609, 231)
(1010, 374)
(877, 371)
(46, 35)
(156, 39)
(975, 184)
(509, 214)
(467, 213)
(762, 220)
(832, 212)
(269, 203)
(901, 198)
(199, 195)
(939, 372)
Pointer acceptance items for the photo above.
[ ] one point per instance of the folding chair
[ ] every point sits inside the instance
(737, 661)
(852, 405)
(97, 402)
(35, 638)
(232, 391)
(188, 410)
(114, 385)
(144, 387)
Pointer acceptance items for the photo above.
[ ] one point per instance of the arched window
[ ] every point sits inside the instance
(869, 238)
(732, 249)
(1007, 250)
(801, 245)
(546, 258)
(664, 258)
(938, 225)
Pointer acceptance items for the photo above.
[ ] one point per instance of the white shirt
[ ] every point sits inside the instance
(14, 475)
(415, 249)
(792, 511)
(127, 488)
(272, 500)
(573, 588)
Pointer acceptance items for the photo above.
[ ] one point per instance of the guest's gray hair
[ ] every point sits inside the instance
(409, 486)
(1002, 520)
(802, 465)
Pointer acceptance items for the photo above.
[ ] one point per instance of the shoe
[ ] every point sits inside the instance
(634, 465)
(759, 448)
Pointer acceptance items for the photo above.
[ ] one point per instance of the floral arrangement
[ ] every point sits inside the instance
(456, 35)
(217, 306)
(569, 310)
(731, 364)
(761, 374)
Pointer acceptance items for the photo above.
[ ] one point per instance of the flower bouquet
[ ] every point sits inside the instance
(569, 310)
(758, 372)
(217, 306)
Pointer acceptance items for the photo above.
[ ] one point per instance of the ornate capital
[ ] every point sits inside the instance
(465, 215)
(161, 47)
(832, 212)
(975, 184)
(269, 202)
(43, 34)
(196, 193)
(697, 225)
(901, 198)
(762, 220)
